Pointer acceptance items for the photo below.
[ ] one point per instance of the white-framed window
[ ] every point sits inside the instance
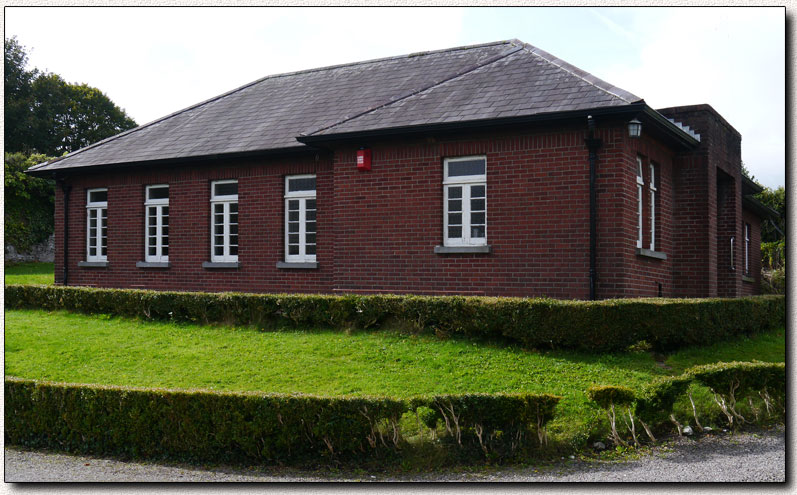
(652, 206)
(300, 219)
(224, 221)
(746, 248)
(97, 224)
(640, 183)
(156, 238)
(465, 201)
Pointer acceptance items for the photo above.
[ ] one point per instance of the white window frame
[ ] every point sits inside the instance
(302, 197)
(100, 209)
(653, 190)
(226, 201)
(640, 181)
(159, 204)
(466, 182)
(746, 247)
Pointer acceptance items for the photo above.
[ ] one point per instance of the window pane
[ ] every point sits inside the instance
(218, 208)
(218, 240)
(309, 227)
(304, 184)
(226, 189)
(293, 227)
(158, 192)
(477, 231)
(233, 250)
(310, 238)
(454, 205)
(98, 196)
(455, 218)
(293, 238)
(165, 210)
(310, 214)
(153, 231)
(92, 251)
(310, 205)
(293, 205)
(310, 249)
(293, 216)
(165, 251)
(219, 251)
(455, 192)
(219, 229)
(466, 167)
(152, 250)
(293, 249)
(477, 218)
(455, 232)
(476, 205)
(477, 191)
(233, 240)
(234, 229)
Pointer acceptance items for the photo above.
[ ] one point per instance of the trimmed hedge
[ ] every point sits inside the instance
(251, 428)
(602, 326)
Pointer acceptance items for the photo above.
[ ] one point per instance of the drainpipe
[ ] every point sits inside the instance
(593, 144)
(66, 188)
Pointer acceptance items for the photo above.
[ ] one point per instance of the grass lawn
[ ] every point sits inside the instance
(69, 347)
(29, 273)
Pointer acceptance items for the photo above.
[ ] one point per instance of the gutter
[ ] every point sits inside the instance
(593, 144)
(66, 188)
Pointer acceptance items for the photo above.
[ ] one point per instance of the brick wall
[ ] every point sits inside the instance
(377, 230)
(261, 218)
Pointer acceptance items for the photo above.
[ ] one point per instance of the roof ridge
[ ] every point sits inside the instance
(585, 76)
(461, 73)
(268, 77)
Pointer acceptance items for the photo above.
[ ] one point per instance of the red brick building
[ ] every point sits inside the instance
(494, 169)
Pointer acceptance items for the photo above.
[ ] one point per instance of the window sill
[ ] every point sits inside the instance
(152, 264)
(92, 264)
(651, 254)
(462, 249)
(220, 264)
(297, 265)
(748, 279)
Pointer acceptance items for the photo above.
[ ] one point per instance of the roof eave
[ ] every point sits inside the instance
(751, 203)
(631, 108)
(166, 162)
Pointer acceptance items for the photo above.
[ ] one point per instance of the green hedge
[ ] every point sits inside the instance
(251, 428)
(610, 325)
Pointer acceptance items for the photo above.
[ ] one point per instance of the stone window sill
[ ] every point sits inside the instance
(297, 266)
(152, 264)
(651, 254)
(462, 249)
(748, 279)
(92, 264)
(220, 264)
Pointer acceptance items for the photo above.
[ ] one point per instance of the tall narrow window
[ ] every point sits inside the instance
(640, 182)
(746, 248)
(465, 201)
(97, 225)
(300, 219)
(157, 211)
(224, 221)
(653, 207)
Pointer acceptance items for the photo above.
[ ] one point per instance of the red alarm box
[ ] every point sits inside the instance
(364, 159)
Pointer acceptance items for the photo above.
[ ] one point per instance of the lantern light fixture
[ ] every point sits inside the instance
(635, 128)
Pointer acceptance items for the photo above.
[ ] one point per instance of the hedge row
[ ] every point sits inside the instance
(207, 426)
(730, 383)
(610, 325)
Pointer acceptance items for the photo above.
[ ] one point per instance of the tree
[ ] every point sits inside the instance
(18, 97)
(46, 114)
(775, 199)
(29, 202)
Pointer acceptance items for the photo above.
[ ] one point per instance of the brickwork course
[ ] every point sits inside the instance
(523, 111)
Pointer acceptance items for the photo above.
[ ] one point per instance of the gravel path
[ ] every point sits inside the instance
(742, 457)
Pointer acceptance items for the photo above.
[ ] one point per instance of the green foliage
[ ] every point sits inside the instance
(603, 326)
(656, 400)
(251, 428)
(773, 254)
(607, 395)
(29, 202)
(742, 378)
(775, 199)
(45, 114)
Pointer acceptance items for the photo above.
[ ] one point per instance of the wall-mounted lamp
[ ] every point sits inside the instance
(634, 128)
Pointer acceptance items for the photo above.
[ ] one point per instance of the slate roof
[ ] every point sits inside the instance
(480, 82)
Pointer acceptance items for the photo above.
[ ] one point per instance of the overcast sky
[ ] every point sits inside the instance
(152, 61)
